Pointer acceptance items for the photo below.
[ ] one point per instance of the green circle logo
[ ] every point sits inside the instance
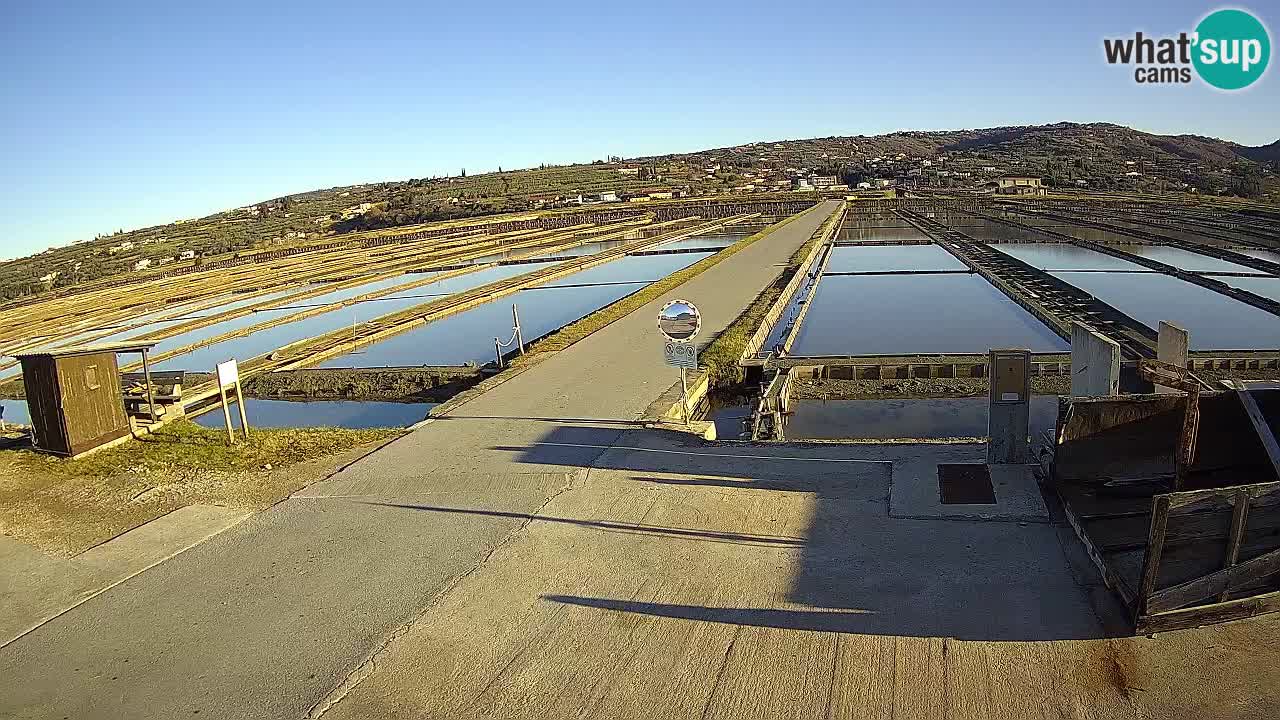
(1232, 49)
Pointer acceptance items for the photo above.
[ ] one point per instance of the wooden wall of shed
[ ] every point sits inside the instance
(91, 400)
(1136, 436)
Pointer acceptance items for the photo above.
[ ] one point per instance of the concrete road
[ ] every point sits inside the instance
(271, 617)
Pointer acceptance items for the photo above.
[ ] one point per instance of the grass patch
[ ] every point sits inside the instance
(184, 445)
(64, 506)
(601, 318)
(720, 357)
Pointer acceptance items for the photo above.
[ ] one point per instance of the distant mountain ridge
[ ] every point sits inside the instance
(1064, 139)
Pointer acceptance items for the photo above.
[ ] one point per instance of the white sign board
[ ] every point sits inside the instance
(228, 373)
(679, 320)
(680, 354)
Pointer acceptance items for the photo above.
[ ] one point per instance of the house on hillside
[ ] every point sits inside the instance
(1015, 185)
(142, 264)
(187, 255)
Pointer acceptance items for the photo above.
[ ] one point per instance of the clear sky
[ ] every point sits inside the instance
(122, 114)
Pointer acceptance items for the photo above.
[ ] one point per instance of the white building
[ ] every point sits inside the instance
(142, 264)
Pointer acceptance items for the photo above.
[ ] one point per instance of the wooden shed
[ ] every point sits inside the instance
(74, 396)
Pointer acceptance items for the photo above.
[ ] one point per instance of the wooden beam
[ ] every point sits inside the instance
(1180, 596)
(1155, 547)
(151, 396)
(1260, 425)
(1208, 614)
(1257, 491)
(1239, 517)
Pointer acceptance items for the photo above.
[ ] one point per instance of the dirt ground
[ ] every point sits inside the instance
(67, 506)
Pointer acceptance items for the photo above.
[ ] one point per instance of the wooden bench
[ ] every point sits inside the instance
(166, 388)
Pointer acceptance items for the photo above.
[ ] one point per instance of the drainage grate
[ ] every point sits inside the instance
(966, 484)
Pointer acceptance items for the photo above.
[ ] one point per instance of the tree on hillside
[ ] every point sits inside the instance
(1246, 181)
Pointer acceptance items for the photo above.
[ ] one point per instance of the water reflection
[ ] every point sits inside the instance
(1065, 256)
(266, 340)
(15, 411)
(1215, 321)
(715, 240)
(468, 336)
(353, 414)
(882, 258)
(1186, 260)
(891, 314)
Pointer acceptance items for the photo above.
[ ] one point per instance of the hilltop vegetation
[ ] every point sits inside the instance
(1096, 156)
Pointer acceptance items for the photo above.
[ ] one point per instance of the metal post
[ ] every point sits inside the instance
(244, 420)
(515, 318)
(684, 397)
(151, 397)
(497, 349)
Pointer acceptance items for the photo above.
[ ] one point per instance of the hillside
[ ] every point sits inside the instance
(1097, 156)
(1100, 154)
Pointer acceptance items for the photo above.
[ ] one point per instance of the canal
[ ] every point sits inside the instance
(353, 414)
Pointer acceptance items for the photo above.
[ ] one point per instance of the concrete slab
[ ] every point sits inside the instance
(37, 587)
(914, 491)
(760, 582)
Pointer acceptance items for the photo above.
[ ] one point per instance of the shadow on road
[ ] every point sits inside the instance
(857, 570)
(626, 528)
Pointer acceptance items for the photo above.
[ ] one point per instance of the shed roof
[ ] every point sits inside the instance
(135, 346)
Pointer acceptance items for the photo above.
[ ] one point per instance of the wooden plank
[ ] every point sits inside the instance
(1208, 614)
(1184, 563)
(1239, 517)
(1155, 546)
(1128, 533)
(1110, 577)
(1257, 491)
(1220, 582)
(1261, 426)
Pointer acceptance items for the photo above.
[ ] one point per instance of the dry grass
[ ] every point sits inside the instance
(66, 506)
(721, 356)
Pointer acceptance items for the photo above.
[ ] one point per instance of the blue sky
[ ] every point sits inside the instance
(122, 115)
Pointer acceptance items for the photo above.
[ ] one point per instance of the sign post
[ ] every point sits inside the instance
(229, 381)
(679, 322)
